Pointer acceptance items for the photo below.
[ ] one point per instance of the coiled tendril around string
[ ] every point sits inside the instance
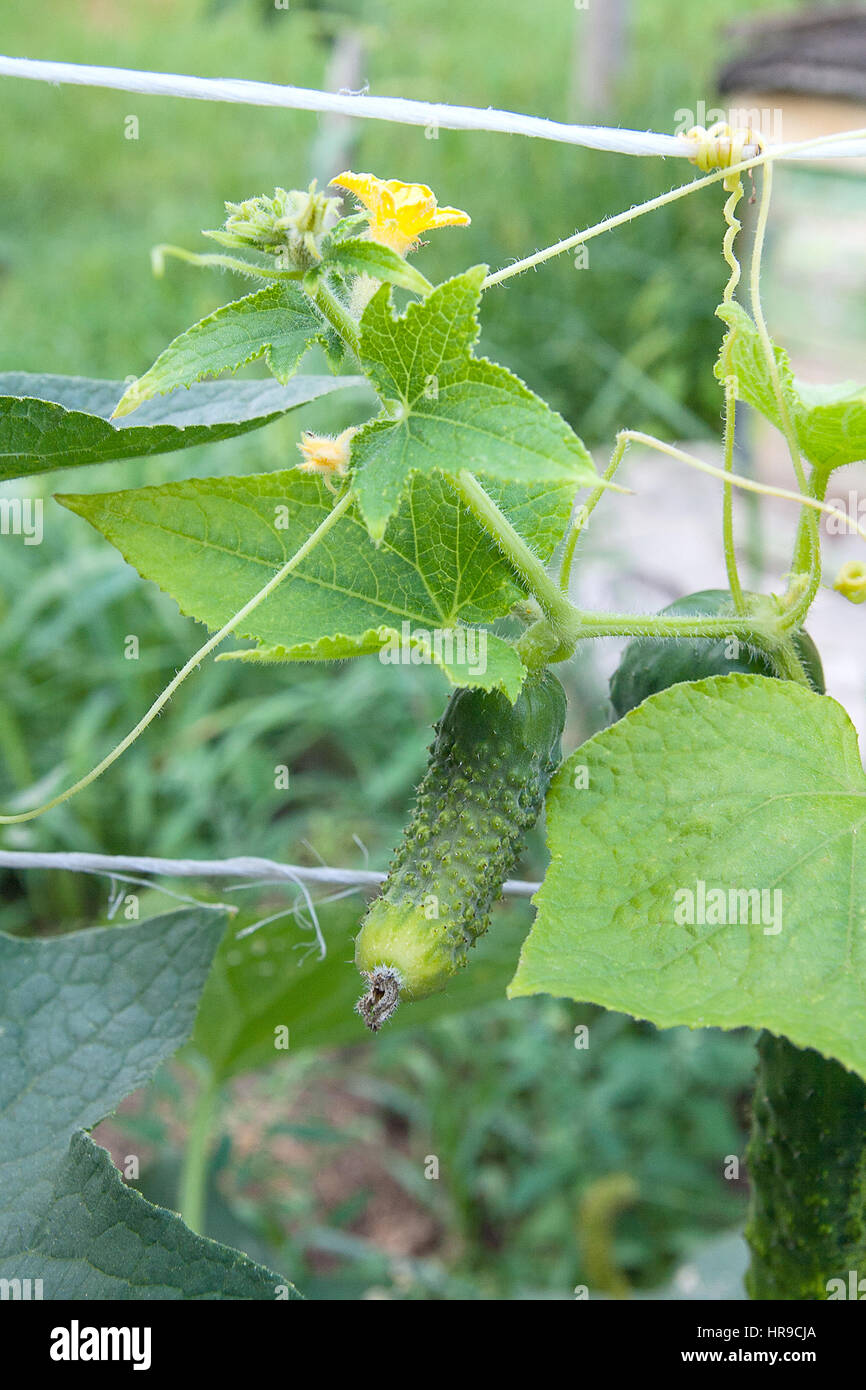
(718, 148)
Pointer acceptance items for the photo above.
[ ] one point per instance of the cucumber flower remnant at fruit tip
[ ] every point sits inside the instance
(398, 213)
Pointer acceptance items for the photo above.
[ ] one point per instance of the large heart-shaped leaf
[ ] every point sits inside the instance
(708, 867)
(213, 543)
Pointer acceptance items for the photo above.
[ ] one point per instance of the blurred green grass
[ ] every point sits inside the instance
(627, 341)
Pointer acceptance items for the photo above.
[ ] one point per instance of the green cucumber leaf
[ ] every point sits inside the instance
(213, 543)
(360, 256)
(446, 410)
(735, 783)
(84, 1020)
(53, 422)
(99, 1239)
(829, 421)
(278, 323)
(262, 984)
(467, 656)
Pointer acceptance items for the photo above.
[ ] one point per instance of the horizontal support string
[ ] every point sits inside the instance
(242, 867)
(396, 109)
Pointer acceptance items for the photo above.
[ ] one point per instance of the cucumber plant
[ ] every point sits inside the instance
(704, 866)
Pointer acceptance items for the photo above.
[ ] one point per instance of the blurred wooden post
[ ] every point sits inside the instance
(334, 144)
(599, 55)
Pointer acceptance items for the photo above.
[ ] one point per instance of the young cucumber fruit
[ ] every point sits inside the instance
(651, 664)
(489, 769)
(807, 1165)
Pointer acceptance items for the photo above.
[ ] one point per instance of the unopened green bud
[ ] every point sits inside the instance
(289, 226)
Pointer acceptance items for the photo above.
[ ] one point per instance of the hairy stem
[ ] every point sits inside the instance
(807, 552)
(789, 665)
(541, 646)
(557, 608)
(734, 584)
(663, 625)
(337, 314)
(585, 511)
(241, 267)
(192, 1195)
(737, 480)
(682, 191)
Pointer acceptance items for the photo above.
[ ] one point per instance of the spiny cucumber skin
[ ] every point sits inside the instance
(490, 766)
(807, 1164)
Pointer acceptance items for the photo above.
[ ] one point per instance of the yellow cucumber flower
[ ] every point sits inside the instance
(398, 213)
(851, 581)
(325, 454)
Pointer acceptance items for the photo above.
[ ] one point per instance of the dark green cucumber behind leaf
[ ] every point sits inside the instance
(807, 1153)
(489, 769)
(807, 1164)
(651, 664)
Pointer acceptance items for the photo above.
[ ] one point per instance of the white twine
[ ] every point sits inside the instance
(243, 866)
(396, 109)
